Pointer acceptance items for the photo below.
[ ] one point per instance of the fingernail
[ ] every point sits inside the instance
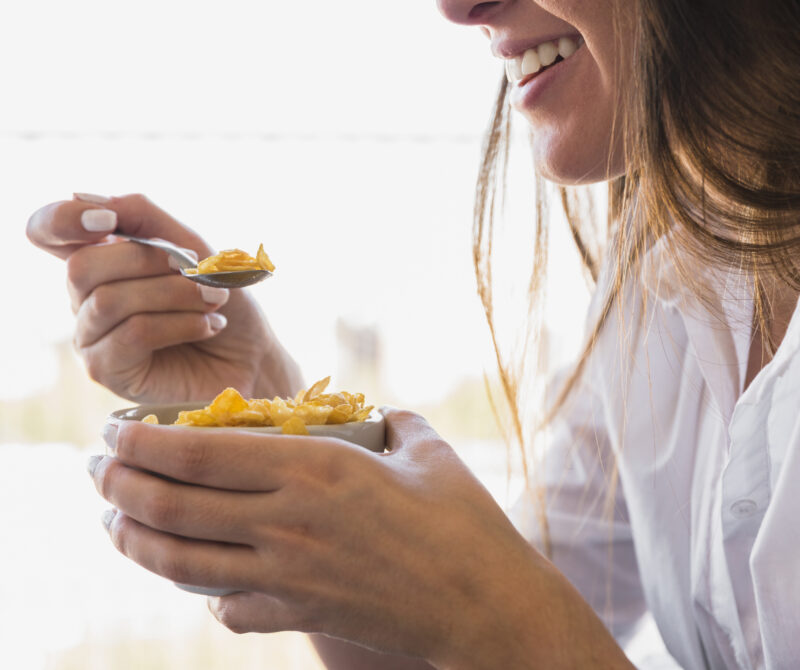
(215, 296)
(91, 197)
(110, 436)
(91, 464)
(108, 517)
(216, 321)
(96, 220)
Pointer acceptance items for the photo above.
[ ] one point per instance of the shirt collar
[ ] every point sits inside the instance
(718, 322)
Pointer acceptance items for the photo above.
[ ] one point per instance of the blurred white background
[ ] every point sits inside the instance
(346, 138)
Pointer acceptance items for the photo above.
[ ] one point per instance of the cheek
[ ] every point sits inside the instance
(580, 142)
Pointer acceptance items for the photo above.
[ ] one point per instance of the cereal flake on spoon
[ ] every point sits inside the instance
(233, 260)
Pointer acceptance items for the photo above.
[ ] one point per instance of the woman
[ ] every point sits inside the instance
(676, 439)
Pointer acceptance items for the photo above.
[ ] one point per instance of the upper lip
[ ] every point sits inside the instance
(506, 49)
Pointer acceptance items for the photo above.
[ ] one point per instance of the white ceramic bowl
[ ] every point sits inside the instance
(368, 434)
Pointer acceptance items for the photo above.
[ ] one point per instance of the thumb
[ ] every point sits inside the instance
(251, 612)
(407, 431)
(138, 215)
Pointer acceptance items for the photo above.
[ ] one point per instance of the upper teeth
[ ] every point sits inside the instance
(541, 56)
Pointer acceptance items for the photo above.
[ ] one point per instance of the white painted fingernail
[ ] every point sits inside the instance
(108, 517)
(215, 296)
(216, 321)
(97, 220)
(92, 463)
(91, 197)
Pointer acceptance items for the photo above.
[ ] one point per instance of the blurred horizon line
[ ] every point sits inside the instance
(265, 136)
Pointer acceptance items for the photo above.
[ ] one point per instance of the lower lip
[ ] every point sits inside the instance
(529, 94)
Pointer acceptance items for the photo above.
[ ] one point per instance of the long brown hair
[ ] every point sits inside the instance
(712, 167)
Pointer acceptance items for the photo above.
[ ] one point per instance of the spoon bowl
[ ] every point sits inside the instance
(236, 279)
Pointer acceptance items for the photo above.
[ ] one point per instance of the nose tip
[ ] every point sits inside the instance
(468, 12)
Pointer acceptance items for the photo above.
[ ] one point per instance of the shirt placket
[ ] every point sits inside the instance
(745, 496)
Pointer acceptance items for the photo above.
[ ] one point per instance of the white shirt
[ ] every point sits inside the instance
(705, 526)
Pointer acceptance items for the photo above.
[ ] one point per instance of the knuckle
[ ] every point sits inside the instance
(135, 332)
(61, 210)
(194, 460)
(162, 510)
(101, 302)
(306, 486)
(332, 468)
(201, 323)
(283, 562)
(174, 568)
(77, 267)
(94, 366)
(348, 472)
(127, 440)
(333, 483)
(95, 362)
(138, 198)
(138, 204)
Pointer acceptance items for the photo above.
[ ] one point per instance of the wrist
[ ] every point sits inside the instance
(528, 616)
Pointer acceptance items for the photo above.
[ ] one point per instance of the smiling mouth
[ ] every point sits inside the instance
(521, 69)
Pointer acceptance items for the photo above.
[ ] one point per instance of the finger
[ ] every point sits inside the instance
(91, 266)
(226, 458)
(138, 216)
(108, 305)
(407, 430)
(62, 227)
(185, 561)
(133, 341)
(173, 507)
(248, 612)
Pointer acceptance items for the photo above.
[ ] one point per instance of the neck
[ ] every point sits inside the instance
(779, 301)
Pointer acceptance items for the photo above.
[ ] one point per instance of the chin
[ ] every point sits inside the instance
(575, 165)
(571, 158)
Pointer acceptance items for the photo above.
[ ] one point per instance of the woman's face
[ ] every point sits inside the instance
(573, 102)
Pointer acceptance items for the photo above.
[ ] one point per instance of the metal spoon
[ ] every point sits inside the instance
(237, 279)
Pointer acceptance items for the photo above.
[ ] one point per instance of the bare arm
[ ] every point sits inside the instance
(340, 655)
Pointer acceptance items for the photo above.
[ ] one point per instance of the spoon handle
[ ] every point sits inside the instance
(180, 255)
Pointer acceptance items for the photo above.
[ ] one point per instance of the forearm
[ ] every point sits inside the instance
(341, 655)
(529, 619)
(542, 624)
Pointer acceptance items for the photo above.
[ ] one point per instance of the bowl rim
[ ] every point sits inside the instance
(370, 433)
(143, 410)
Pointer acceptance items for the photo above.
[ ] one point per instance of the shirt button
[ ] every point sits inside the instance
(741, 509)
